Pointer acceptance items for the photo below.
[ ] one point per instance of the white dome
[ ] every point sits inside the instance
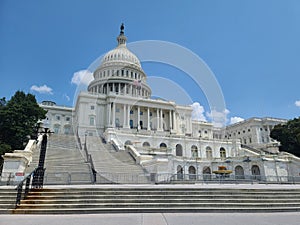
(121, 55)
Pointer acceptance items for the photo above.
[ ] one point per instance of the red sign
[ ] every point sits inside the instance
(19, 174)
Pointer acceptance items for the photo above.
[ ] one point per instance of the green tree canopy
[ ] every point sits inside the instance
(18, 117)
(289, 136)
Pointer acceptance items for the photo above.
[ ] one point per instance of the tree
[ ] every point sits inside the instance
(18, 117)
(289, 136)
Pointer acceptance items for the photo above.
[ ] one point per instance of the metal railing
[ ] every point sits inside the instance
(29, 183)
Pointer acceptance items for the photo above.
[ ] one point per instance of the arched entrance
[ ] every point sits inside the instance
(179, 173)
(192, 173)
(239, 173)
(178, 150)
(255, 172)
(206, 173)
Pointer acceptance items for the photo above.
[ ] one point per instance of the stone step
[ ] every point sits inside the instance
(150, 200)
(161, 205)
(155, 210)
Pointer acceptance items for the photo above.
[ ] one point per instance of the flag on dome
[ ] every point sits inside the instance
(137, 83)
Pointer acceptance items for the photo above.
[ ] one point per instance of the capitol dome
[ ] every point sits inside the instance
(121, 54)
(120, 72)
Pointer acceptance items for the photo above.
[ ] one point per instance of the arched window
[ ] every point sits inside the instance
(56, 128)
(194, 151)
(192, 173)
(128, 142)
(146, 144)
(178, 150)
(239, 173)
(222, 153)
(162, 145)
(208, 152)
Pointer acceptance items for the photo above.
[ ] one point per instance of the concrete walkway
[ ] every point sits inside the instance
(156, 219)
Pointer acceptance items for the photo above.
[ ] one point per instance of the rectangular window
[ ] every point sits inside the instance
(92, 107)
(57, 117)
(131, 111)
(68, 118)
(141, 113)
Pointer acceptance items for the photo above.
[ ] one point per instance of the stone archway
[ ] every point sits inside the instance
(179, 172)
(239, 173)
(255, 172)
(206, 173)
(192, 173)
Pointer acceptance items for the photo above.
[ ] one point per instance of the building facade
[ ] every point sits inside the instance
(161, 135)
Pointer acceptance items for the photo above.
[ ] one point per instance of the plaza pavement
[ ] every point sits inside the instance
(156, 219)
(276, 218)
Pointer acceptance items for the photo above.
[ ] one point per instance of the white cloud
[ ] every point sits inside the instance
(82, 77)
(297, 103)
(198, 112)
(66, 97)
(236, 119)
(219, 119)
(42, 89)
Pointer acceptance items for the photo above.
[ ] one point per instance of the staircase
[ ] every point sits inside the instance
(7, 199)
(64, 161)
(151, 199)
(114, 166)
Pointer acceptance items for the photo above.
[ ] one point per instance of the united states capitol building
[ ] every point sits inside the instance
(161, 136)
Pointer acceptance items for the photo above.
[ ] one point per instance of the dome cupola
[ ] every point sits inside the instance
(120, 72)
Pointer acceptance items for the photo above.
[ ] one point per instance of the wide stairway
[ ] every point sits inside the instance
(7, 199)
(114, 166)
(141, 199)
(64, 161)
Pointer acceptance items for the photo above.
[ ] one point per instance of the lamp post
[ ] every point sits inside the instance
(38, 176)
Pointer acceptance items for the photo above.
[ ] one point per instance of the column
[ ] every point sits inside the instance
(131, 91)
(114, 114)
(128, 116)
(161, 120)
(174, 121)
(119, 88)
(138, 118)
(124, 116)
(113, 87)
(170, 120)
(157, 119)
(148, 118)
(109, 113)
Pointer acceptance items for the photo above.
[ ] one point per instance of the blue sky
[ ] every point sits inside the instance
(253, 47)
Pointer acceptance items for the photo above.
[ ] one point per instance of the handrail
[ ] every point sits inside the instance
(19, 188)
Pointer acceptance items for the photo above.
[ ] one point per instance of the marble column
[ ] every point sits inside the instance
(148, 119)
(138, 118)
(124, 116)
(108, 114)
(114, 114)
(128, 116)
(170, 120)
(174, 121)
(157, 119)
(161, 120)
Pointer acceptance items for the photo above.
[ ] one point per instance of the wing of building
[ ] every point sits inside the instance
(161, 135)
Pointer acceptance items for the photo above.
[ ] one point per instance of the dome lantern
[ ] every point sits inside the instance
(121, 38)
